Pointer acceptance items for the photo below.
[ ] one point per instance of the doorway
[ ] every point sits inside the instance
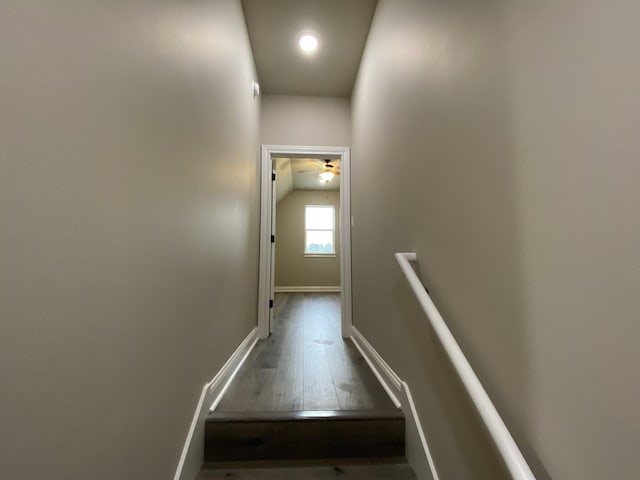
(269, 235)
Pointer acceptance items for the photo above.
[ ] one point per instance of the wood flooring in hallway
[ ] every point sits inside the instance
(305, 365)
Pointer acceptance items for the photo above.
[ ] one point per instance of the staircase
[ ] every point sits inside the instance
(306, 406)
(312, 445)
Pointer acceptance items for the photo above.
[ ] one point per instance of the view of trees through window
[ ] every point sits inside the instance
(319, 229)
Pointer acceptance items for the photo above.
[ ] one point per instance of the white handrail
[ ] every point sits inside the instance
(511, 454)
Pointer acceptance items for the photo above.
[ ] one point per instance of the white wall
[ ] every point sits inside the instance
(129, 213)
(315, 121)
(511, 132)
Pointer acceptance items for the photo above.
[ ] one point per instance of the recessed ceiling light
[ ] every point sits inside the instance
(308, 42)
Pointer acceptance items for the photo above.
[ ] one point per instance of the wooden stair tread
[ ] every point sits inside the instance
(304, 435)
(373, 471)
(305, 415)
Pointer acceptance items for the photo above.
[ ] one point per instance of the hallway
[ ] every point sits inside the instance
(305, 364)
(495, 140)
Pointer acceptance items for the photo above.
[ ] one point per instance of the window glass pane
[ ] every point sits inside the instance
(319, 218)
(319, 241)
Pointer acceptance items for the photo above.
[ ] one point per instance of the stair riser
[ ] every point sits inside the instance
(310, 439)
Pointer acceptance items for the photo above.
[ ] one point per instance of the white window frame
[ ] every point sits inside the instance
(333, 232)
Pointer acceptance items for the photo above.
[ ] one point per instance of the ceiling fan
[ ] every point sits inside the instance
(327, 171)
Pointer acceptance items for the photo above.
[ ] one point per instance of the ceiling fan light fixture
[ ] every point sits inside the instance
(326, 177)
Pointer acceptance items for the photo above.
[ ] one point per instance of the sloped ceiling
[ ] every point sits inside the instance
(341, 26)
(289, 176)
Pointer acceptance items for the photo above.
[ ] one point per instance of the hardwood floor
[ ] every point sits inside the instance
(305, 395)
(305, 364)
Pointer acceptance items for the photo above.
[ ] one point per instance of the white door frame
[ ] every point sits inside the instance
(266, 287)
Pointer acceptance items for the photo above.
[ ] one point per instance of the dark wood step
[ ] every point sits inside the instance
(304, 435)
(387, 469)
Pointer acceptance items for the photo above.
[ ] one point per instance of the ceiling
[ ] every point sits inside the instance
(289, 178)
(341, 26)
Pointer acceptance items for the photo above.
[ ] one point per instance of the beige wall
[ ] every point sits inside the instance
(314, 121)
(128, 206)
(292, 267)
(576, 71)
(511, 126)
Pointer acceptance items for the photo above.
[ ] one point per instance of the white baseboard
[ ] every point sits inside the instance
(416, 446)
(193, 451)
(417, 450)
(308, 289)
(386, 376)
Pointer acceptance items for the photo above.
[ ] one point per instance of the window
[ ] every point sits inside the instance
(319, 238)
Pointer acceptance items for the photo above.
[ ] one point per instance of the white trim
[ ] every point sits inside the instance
(264, 278)
(345, 242)
(417, 449)
(332, 230)
(266, 286)
(192, 454)
(309, 289)
(227, 373)
(383, 372)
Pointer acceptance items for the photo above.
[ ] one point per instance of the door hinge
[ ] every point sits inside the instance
(273, 239)
(273, 177)
(270, 303)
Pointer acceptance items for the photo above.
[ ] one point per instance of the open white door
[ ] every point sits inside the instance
(267, 254)
(272, 284)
